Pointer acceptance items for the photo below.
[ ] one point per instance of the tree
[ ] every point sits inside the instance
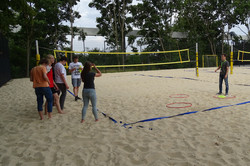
(205, 20)
(242, 14)
(39, 20)
(153, 18)
(82, 36)
(114, 22)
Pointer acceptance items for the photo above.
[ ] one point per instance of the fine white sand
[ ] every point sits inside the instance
(216, 137)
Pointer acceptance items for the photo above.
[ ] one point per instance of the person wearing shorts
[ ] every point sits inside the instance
(75, 69)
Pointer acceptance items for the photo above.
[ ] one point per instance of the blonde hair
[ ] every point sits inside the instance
(48, 57)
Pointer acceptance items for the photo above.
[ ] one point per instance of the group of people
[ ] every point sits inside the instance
(50, 80)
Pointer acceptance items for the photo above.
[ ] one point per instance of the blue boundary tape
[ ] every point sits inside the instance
(125, 125)
(185, 113)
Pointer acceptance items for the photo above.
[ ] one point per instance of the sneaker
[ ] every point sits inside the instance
(226, 94)
(76, 98)
(218, 93)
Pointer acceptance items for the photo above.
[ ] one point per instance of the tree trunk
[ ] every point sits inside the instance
(212, 46)
(71, 30)
(222, 43)
(28, 57)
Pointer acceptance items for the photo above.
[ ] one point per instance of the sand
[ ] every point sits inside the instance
(211, 138)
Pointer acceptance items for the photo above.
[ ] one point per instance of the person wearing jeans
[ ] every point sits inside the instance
(60, 79)
(38, 76)
(222, 77)
(223, 73)
(88, 92)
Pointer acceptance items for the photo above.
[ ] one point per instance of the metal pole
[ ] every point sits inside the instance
(197, 62)
(37, 53)
(231, 60)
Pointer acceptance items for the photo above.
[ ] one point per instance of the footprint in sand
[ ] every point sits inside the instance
(227, 150)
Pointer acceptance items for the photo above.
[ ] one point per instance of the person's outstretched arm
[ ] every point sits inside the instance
(98, 74)
(217, 69)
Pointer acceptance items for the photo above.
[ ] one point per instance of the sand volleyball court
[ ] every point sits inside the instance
(208, 137)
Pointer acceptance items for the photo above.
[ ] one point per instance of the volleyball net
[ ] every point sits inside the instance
(128, 59)
(243, 56)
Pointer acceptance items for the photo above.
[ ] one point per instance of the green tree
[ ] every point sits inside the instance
(206, 20)
(114, 22)
(82, 36)
(242, 14)
(39, 20)
(153, 18)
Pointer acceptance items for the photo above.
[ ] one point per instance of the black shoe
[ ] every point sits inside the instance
(76, 98)
(218, 93)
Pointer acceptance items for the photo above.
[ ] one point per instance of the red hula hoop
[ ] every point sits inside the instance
(179, 96)
(169, 105)
(231, 97)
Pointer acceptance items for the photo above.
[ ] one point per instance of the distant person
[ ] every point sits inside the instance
(88, 92)
(60, 79)
(75, 69)
(223, 73)
(54, 88)
(38, 76)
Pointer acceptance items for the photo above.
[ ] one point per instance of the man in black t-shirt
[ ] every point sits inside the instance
(223, 73)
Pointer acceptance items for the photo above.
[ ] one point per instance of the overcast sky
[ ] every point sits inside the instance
(88, 19)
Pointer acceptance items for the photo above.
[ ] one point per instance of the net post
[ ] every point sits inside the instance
(242, 56)
(37, 53)
(231, 60)
(203, 61)
(180, 56)
(216, 61)
(197, 63)
(67, 66)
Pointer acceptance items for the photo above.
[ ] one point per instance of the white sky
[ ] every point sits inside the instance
(88, 19)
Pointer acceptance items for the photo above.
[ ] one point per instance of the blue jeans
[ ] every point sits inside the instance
(44, 91)
(222, 77)
(63, 89)
(89, 94)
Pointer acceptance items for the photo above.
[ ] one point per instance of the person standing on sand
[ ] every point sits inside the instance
(88, 92)
(223, 74)
(60, 79)
(75, 68)
(53, 85)
(38, 76)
